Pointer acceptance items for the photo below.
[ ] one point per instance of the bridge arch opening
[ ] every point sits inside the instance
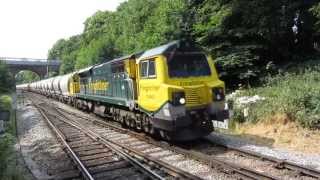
(43, 67)
(26, 76)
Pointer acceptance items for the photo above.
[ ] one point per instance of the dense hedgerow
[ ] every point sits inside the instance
(6, 79)
(296, 95)
(8, 168)
(5, 102)
(6, 153)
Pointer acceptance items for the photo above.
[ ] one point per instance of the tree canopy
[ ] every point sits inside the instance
(6, 80)
(26, 77)
(246, 37)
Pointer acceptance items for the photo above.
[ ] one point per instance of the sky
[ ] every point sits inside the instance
(29, 28)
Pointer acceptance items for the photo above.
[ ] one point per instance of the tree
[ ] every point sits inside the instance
(66, 50)
(315, 10)
(6, 79)
(246, 35)
(164, 24)
(26, 77)
(97, 51)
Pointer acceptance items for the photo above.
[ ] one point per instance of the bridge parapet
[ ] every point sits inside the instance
(39, 66)
(31, 61)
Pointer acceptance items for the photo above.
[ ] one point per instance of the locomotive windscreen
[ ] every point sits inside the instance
(188, 64)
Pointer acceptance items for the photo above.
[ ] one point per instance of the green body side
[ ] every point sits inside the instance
(118, 91)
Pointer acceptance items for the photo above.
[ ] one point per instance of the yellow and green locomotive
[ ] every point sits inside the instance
(172, 90)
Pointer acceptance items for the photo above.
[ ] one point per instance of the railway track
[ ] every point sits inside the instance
(97, 158)
(252, 160)
(278, 163)
(227, 168)
(296, 171)
(144, 143)
(212, 165)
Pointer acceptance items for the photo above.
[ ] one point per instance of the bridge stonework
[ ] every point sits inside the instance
(39, 66)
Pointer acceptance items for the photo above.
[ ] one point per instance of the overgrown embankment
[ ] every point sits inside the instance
(285, 109)
(8, 169)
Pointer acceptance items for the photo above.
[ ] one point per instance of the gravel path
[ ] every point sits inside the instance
(236, 142)
(40, 149)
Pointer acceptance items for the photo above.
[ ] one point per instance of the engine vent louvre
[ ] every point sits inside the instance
(192, 97)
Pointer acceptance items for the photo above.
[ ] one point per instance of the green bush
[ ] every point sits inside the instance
(8, 168)
(6, 151)
(6, 79)
(5, 102)
(296, 95)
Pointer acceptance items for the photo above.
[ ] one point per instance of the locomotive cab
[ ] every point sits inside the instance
(179, 87)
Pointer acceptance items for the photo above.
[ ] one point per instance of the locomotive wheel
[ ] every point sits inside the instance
(138, 125)
(90, 106)
(127, 122)
(151, 130)
(154, 132)
(146, 128)
(146, 124)
(122, 121)
(165, 135)
(116, 117)
(79, 105)
(133, 124)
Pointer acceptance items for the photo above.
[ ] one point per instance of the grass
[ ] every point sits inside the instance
(294, 94)
(289, 116)
(8, 169)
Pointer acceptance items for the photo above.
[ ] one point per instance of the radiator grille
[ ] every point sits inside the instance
(193, 96)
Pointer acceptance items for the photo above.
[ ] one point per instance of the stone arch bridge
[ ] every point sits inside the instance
(42, 67)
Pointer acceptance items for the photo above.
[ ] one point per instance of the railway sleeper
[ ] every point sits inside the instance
(109, 167)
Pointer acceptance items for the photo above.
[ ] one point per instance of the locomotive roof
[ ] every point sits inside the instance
(85, 70)
(141, 55)
(136, 55)
(160, 50)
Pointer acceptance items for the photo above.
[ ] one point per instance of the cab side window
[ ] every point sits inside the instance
(144, 69)
(152, 69)
(148, 69)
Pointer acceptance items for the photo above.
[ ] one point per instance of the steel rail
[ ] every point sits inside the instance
(245, 172)
(80, 166)
(212, 161)
(279, 162)
(173, 170)
(122, 154)
(242, 171)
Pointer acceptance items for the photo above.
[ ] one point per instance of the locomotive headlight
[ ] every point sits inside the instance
(178, 98)
(218, 97)
(218, 94)
(182, 100)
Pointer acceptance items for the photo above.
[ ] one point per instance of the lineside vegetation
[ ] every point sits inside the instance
(8, 168)
(295, 94)
(244, 36)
